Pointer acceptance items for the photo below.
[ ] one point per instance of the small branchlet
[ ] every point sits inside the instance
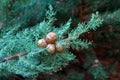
(13, 57)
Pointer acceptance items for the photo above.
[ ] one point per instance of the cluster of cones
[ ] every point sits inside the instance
(51, 43)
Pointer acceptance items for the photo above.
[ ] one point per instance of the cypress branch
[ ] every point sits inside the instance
(13, 57)
(39, 59)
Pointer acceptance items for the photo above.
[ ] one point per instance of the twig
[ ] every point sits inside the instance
(13, 57)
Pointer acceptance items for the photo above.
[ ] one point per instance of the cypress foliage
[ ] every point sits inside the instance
(38, 60)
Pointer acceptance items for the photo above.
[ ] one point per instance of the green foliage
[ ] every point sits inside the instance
(98, 72)
(108, 34)
(105, 5)
(31, 12)
(63, 29)
(75, 44)
(38, 59)
(24, 12)
(112, 18)
(94, 22)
